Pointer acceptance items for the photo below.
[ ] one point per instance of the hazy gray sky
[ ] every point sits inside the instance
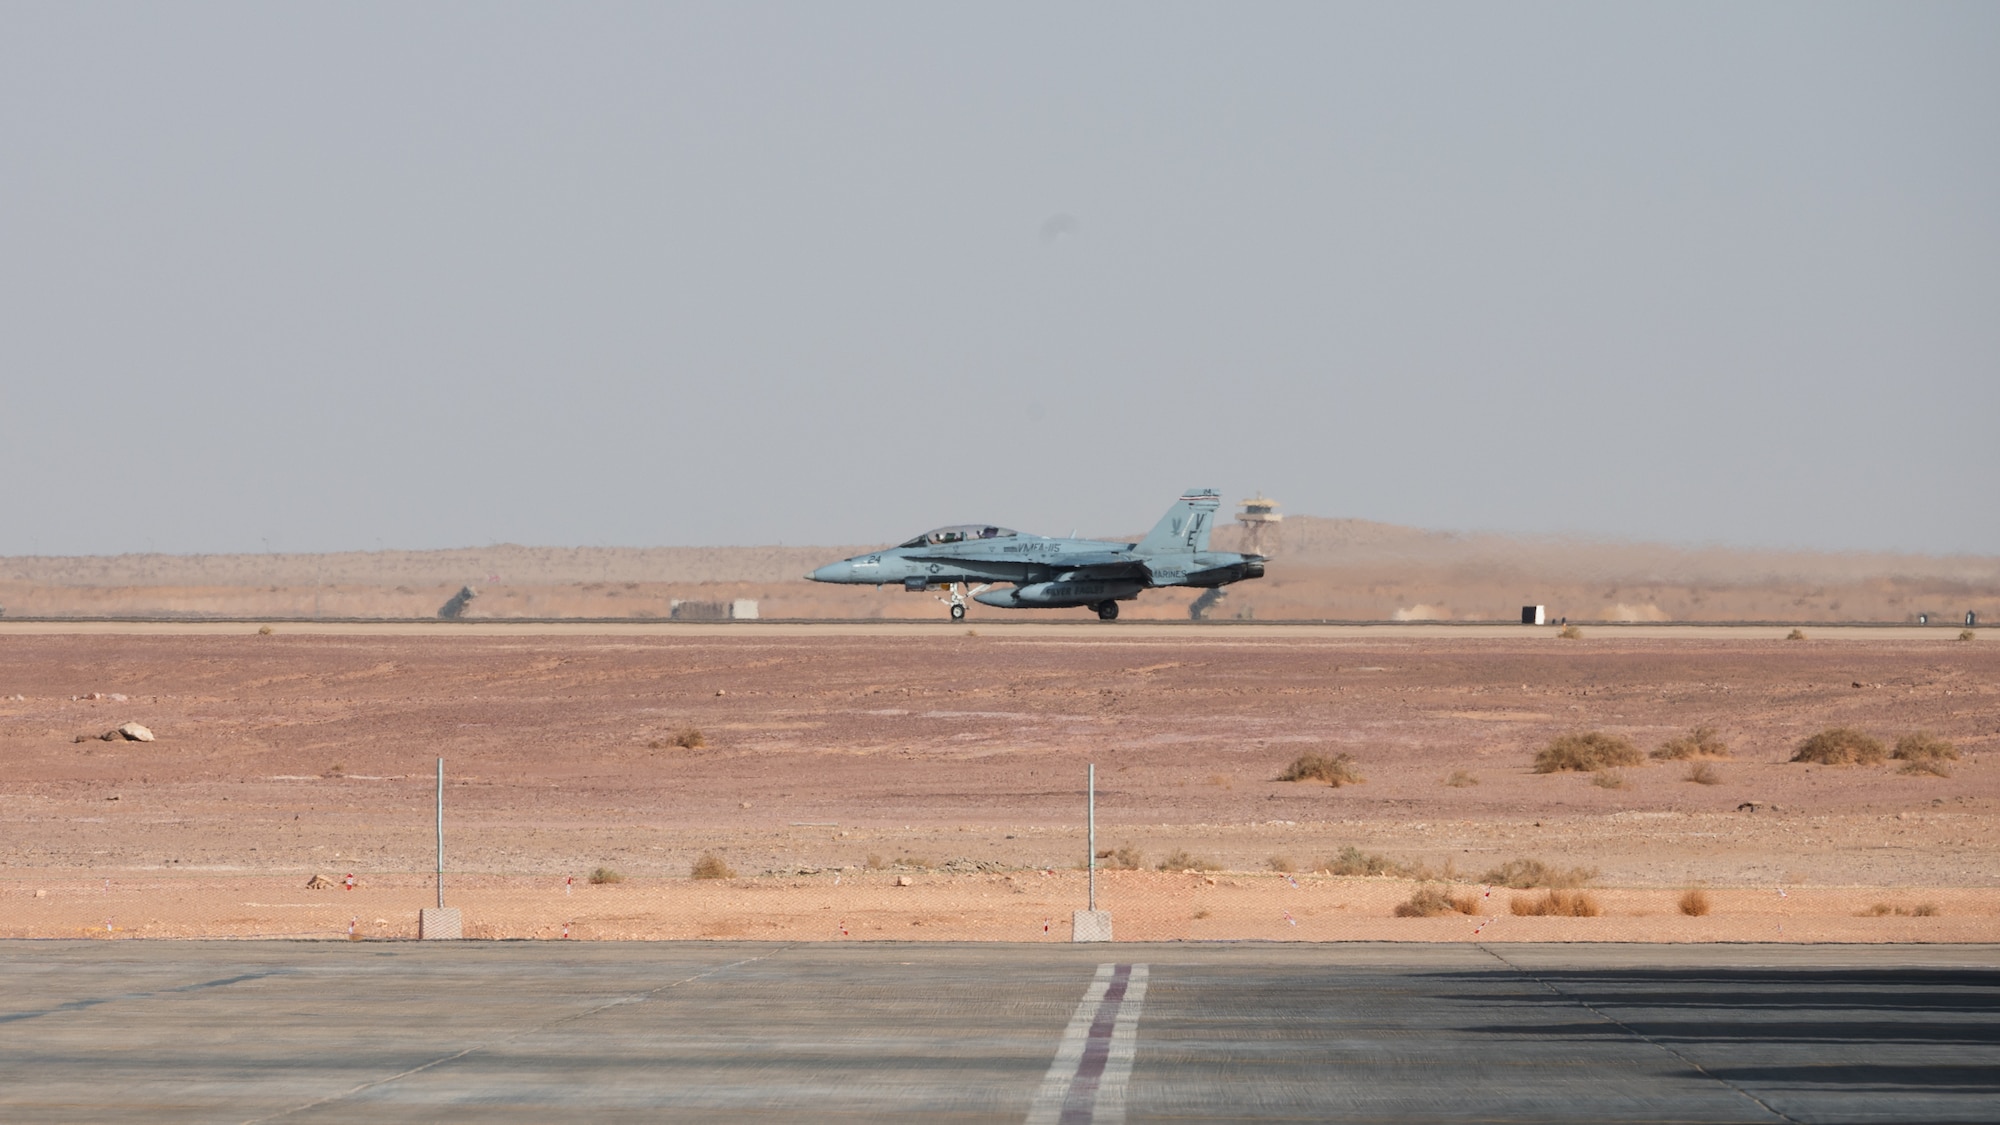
(412, 275)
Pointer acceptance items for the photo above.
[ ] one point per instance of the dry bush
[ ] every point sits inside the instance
(606, 875)
(1180, 860)
(1840, 746)
(1335, 771)
(266, 630)
(1200, 914)
(1704, 773)
(1558, 904)
(1930, 766)
(875, 862)
(710, 866)
(1796, 635)
(1883, 909)
(1282, 864)
(1701, 742)
(1610, 779)
(1126, 858)
(1429, 902)
(687, 738)
(1966, 634)
(1525, 874)
(1571, 633)
(1460, 779)
(1695, 903)
(1587, 752)
(1923, 747)
(1354, 861)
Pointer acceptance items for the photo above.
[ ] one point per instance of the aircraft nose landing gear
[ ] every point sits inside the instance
(957, 599)
(1107, 611)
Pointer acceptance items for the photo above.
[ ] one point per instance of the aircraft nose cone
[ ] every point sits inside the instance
(832, 572)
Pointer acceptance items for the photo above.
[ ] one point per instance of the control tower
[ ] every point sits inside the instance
(1260, 519)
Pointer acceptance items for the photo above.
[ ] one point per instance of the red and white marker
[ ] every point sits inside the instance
(349, 881)
(565, 929)
(351, 923)
(569, 884)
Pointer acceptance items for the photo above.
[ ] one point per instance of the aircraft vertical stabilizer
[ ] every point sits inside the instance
(1186, 525)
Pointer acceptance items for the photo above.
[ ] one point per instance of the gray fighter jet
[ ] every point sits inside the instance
(1052, 573)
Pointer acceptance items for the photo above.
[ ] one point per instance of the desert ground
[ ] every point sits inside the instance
(1320, 570)
(928, 781)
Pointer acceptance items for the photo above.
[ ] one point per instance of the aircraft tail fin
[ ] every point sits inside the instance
(1185, 527)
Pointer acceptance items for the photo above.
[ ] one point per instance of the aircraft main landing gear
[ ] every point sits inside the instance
(958, 613)
(1107, 611)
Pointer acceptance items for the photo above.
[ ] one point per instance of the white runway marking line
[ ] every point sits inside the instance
(1093, 1063)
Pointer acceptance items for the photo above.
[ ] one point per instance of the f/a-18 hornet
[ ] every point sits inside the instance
(1053, 573)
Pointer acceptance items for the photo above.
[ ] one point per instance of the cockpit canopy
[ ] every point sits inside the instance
(960, 533)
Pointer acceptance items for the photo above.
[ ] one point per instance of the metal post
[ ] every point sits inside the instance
(1092, 859)
(440, 828)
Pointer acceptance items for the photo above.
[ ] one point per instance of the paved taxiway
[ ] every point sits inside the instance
(225, 1031)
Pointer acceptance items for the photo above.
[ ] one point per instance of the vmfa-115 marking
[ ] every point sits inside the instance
(1053, 573)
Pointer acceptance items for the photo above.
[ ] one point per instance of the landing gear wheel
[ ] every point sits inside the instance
(958, 613)
(1107, 611)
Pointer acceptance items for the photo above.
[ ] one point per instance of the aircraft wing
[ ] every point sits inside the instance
(1099, 565)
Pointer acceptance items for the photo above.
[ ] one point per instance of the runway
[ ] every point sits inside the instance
(1041, 630)
(223, 1031)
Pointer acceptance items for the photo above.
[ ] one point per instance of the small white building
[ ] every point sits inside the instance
(743, 609)
(1534, 615)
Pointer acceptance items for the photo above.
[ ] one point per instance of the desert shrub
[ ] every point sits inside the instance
(1701, 742)
(1525, 874)
(1931, 766)
(1922, 747)
(1181, 860)
(1570, 633)
(1883, 909)
(1796, 635)
(1610, 779)
(1460, 779)
(875, 862)
(1336, 771)
(606, 875)
(1966, 634)
(1558, 904)
(266, 630)
(1585, 752)
(1704, 773)
(1200, 914)
(1695, 903)
(1431, 901)
(1354, 861)
(1126, 858)
(687, 738)
(1840, 746)
(1281, 863)
(710, 866)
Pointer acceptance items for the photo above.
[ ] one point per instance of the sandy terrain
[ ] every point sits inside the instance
(1322, 569)
(956, 760)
